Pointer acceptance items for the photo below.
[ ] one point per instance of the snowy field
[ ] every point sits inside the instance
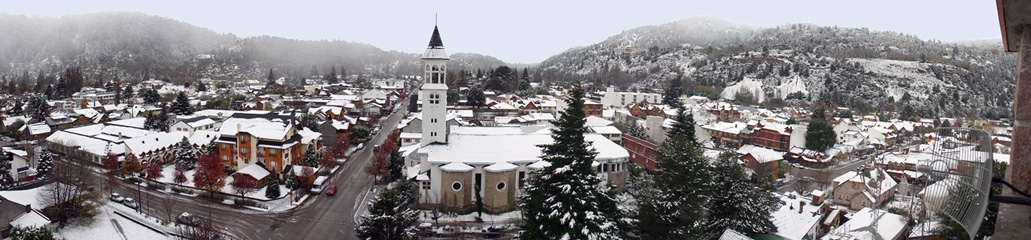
(107, 226)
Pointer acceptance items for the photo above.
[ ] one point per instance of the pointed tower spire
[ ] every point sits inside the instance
(435, 39)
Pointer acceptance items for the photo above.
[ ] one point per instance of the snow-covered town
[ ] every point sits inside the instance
(699, 128)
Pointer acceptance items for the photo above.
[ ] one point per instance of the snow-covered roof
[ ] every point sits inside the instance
(37, 128)
(594, 121)
(31, 218)
(761, 154)
(132, 122)
(539, 165)
(489, 145)
(154, 142)
(16, 151)
(89, 144)
(870, 223)
(254, 170)
(790, 223)
(500, 167)
(606, 130)
(26, 197)
(203, 137)
(456, 167)
(307, 135)
(198, 121)
(266, 127)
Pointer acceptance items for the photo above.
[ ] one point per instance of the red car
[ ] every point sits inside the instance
(332, 190)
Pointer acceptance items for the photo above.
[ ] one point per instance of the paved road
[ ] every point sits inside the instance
(320, 217)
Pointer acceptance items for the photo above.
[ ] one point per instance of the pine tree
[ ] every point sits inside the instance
(128, 94)
(45, 165)
(331, 78)
(291, 180)
(672, 94)
(311, 157)
(683, 123)
(271, 80)
(741, 204)
(184, 155)
(635, 130)
(40, 109)
(211, 148)
(565, 200)
(389, 218)
(18, 108)
(6, 180)
(272, 188)
(683, 184)
(181, 105)
(395, 164)
(151, 96)
(820, 134)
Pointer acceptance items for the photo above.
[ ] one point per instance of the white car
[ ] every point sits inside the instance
(131, 203)
(117, 197)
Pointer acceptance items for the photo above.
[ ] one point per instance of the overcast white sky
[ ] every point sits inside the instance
(530, 31)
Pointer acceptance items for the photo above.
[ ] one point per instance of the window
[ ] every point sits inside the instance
(456, 186)
(522, 179)
(501, 186)
(273, 151)
(426, 185)
(479, 182)
(433, 120)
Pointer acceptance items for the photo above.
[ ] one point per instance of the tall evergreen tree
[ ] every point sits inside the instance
(475, 97)
(128, 94)
(184, 155)
(635, 130)
(271, 80)
(683, 184)
(40, 109)
(331, 77)
(684, 124)
(820, 134)
(6, 180)
(311, 157)
(18, 108)
(181, 105)
(566, 200)
(673, 92)
(395, 164)
(740, 203)
(151, 96)
(45, 165)
(389, 218)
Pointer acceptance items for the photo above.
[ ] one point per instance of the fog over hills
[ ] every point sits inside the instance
(851, 67)
(135, 44)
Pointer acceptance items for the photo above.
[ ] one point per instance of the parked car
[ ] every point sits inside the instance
(188, 219)
(117, 197)
(331, 190)
(131, 203)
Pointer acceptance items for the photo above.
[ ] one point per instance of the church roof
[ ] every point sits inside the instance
(435, 39)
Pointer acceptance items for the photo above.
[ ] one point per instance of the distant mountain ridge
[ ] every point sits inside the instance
(134, 44)
(849, 67)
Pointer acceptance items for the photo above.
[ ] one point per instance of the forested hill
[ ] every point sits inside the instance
(850, 67)
(136, 45)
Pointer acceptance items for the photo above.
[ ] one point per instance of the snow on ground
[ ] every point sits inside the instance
(913, 72)
(792, 86)
(25, 197)
(168, 174)
(106, 225)
(749, 85)
(502, 218)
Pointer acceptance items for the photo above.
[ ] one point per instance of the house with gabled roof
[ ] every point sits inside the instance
(271, 139)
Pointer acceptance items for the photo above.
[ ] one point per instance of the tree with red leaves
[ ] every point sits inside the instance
(210, 175)
(243, 184)
(340, 147)
(379, 166)
(179, 177)
(327, 161)
(131, 165)
(110, 163)
(154, 171)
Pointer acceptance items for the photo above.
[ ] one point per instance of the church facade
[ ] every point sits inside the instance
(454, 165)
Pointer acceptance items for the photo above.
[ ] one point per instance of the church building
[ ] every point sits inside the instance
(453, 165)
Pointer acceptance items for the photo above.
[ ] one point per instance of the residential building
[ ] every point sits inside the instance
(271, 139)
(866, 190)
(620, 99)
(771, 135)
(191, 125)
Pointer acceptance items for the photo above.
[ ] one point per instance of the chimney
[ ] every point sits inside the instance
(238, 126)
(801, 204)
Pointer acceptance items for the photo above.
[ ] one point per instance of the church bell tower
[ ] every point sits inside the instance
(434, 92)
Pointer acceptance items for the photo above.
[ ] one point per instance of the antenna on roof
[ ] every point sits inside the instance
(434, 19)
